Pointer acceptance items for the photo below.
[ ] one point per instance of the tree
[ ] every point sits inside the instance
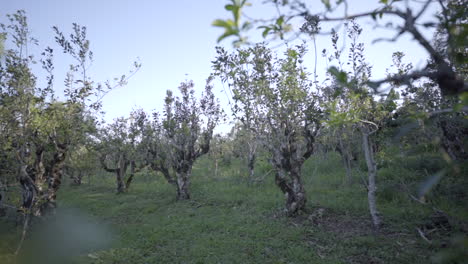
(277, 93)
(40, 128)
(120, 143)
(353, 106)
(188, 126)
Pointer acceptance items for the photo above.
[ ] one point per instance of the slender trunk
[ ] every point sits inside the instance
(251, 165)
(251, 160)
(79, 178)
(183, 182)
(372, 173)
(291, 185)
(346, 161)
(216, 168)
(2, 195)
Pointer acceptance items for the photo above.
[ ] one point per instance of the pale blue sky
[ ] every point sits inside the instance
(173, 39)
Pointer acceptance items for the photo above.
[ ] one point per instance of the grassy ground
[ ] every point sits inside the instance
(231, 221)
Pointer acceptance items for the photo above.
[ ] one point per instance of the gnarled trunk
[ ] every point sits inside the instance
(120, 174)
(28, 188)
(55, 177)
(291, 185)
(183, 182)
(119, 171)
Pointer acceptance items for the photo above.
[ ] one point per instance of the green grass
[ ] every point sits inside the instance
(228, 220)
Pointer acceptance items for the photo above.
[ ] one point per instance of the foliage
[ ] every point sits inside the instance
(276, 94)
(188, 126)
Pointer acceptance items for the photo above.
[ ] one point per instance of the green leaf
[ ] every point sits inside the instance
(280, 21)
(384, 1)
(223, 23)
(265, 31)
(229, 7)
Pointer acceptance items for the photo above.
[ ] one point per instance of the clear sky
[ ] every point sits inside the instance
(173, 40)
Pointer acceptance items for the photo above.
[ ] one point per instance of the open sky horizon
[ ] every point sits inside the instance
(174, 41)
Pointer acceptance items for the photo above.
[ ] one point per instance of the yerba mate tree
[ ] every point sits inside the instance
(38, 128)
(353, 106)
(278, 93)
(188, 126)
(120, 144)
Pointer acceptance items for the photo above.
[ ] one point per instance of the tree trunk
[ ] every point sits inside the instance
(292, 188)
(76, 176)
(183, 182)
(120, 182)
(251, 160)
(79, 178)
(132, 174)
(345, 155)
(452, 139)
(28, 188)
(372, 173)
(120, 174)
(38, 176)
(216, 168)
(55, 178)
(2, 197)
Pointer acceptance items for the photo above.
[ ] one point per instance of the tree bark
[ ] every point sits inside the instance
(345, 156)
(28, 188)
(38, 176)
(372, 173)
(132, 174)
(55, 178)
(251, 165)
(121, 174)
(119, 171)
(251, 159)
(452, 139)
(183, 182)
(292, 189)
(2, 197)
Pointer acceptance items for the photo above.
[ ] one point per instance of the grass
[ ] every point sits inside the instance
(228, 221)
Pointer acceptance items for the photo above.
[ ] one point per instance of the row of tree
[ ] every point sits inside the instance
(279, 106)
